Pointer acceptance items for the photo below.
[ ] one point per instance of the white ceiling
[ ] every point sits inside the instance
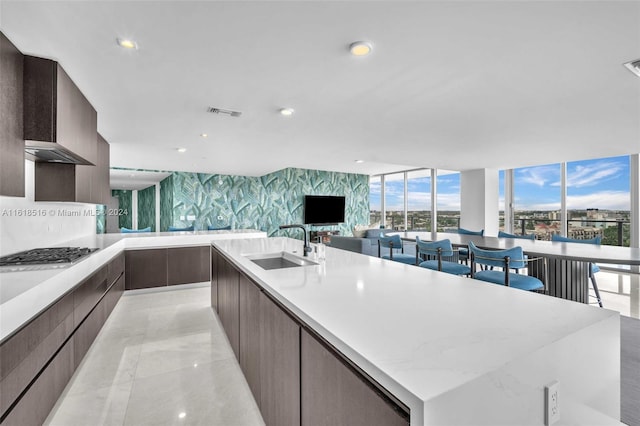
(453, 85)
(134, 179)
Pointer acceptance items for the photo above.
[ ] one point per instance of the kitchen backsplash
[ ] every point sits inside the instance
(26, 224)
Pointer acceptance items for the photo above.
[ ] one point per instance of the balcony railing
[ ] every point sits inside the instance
(611, 234)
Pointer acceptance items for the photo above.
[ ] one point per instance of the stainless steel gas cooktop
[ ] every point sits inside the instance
(59, 257)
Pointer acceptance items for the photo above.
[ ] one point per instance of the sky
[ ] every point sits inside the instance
(601, 183)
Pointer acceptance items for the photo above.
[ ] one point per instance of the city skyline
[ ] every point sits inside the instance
(600, 183)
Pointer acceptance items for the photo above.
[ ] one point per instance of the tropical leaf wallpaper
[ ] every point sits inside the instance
(166, 203)
(125, 199)
(264, 202)
(101, 219)
(147, 208)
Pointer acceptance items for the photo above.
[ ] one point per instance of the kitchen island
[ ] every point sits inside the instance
(439, 348)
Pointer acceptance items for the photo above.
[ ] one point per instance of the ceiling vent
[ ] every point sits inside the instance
(634, 67)
(224, 111)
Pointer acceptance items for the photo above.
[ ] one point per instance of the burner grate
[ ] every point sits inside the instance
(42, 256)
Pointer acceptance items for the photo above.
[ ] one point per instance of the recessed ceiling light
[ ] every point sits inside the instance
(634, 66)
(182, 415)
(126, 43)
(359, 161)
(181, 150)
(360, 48)
(203, 135)
(286, 111)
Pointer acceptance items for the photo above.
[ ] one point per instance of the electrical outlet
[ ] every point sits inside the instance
(551, 403)
(191, 217)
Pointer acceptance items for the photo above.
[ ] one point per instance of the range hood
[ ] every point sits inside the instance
(51, 152)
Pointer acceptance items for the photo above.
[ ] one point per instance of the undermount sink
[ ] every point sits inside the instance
(278, 260)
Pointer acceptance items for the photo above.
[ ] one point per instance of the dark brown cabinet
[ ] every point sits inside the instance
(280, 356)
(56, 114)
(229, 303)
(250, 334)
(56, 111)
(33, 408)
(100, 184)
(334, 394)
(214, 280)
(295, 377)
(91, 182)
(25, 353)
(11, 128)
(71, 182)
(39, 359)
(161, 267)
(188, 265)
(146, 268)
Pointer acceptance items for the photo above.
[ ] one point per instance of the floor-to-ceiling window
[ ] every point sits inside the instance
(448, 198)
(599, 200)
(501, 203)
(537, 199)
(394, 201)
(419, 200)
(375, 199)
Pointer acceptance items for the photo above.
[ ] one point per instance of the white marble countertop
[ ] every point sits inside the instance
(24, 294)
(419, 333)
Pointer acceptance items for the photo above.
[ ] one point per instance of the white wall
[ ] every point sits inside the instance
(26, 224)
(479, 201)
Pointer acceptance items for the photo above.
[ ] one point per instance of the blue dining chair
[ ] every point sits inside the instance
(531, 237)
(124, 230)
(394, 242)
(506, 259)
(430, 254)
(213, 228)
(174, 229)
(593, 268)
(522, 237)
(463, 252)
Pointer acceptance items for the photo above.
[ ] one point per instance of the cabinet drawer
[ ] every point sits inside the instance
(33, 408)
(24, 354)
(115, 268)
(87, 294)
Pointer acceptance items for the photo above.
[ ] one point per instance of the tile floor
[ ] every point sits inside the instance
(161, 359)
(620, 292)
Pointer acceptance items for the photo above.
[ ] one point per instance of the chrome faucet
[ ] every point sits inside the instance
(307, 247)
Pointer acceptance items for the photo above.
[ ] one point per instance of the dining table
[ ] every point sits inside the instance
(564, 267)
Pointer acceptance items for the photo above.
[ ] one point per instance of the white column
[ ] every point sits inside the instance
(563, 200)
(508, 201)
(479, 200)
(434, 200)
(383, 212)
(634, 172)
(406, 202)
(158, 207)
(134, 209)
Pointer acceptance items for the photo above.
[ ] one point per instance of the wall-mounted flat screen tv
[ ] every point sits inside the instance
(323, 209)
